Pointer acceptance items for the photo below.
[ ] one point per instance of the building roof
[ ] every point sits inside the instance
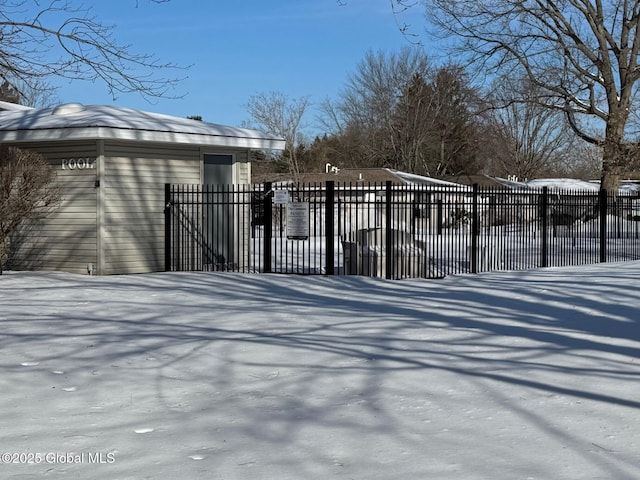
(4, 106)
(562, 184)
(413, 179)
(357, 175)
(481, 180)
(75, 121)
(568, 184)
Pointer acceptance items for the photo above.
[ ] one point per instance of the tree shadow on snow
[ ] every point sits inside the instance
(284, 352)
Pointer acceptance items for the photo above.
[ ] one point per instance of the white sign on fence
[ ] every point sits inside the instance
(298, 221)
(280, 197)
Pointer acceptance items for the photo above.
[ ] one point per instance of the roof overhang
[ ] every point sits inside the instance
(108, 133)
(101, 122)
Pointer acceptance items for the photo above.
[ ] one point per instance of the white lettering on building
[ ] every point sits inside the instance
(82, 163)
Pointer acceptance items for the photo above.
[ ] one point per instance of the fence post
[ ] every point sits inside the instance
(474, 230)
(268, 226)
(544, 261)
(167, 227)
(603, 225)
(388, 233)
(329, 229)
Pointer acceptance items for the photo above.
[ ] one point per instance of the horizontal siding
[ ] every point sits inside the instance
(69, 222)
(60, 150)
(144, 175)
(249, 173)
(69, 235)
(147, 212)
(73, 219)
(149, 151)
(132, 266)
(128, 163)
(67, 249)
(61, 245)
(243, 172)
(147, 229)
(66, 239)
(138, 253)
(132, 194)
(133, 208)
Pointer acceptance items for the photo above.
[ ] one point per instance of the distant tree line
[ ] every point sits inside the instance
(546, 88)
(399, 110)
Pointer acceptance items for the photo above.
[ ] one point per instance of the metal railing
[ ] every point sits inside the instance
(392, 231)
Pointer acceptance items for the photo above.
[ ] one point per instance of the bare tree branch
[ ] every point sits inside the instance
(530, 138)
(61, 39)
(280, 115)
(583, 54)
(27, 191)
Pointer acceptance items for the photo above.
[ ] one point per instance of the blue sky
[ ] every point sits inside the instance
(237, 48)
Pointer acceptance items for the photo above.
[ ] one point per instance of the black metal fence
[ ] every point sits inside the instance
(393, 231)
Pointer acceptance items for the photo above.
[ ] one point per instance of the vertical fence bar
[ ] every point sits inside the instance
(329, 228)
(544, 214)
(210, 238)
(603, 224)
(238, 228)
(257, 219)
(474, 230)
(191, 231)
(268, 222)
(167, 227)
(196, 212)
(180, 231)
(193, 208)
(226, 249)
(388, 251)
(187, 231)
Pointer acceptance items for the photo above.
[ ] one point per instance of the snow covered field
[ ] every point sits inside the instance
(524, 375)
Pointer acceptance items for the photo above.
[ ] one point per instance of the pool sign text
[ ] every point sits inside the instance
(298, 221)
(82, 163)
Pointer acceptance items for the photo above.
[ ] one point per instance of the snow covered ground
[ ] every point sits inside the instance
(523, 375)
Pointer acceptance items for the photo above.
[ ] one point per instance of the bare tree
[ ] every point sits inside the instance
(413, 128)
(582, 54)
(9, 93)
(584, 162)
(38, 94)
(398, 111)
(454, 112)
(61, 38)
(27, 191)
(280, 115)
(531, 140)
(366, 115)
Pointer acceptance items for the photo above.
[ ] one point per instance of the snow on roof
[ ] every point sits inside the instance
(80, 122)
(9, 106)
(573, 184)
(563, 184)
(412, 178)
(514, 184)
(630, 186)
